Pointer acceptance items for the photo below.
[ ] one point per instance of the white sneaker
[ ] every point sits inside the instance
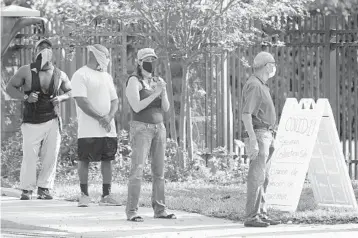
(108, 201)
(84, 200)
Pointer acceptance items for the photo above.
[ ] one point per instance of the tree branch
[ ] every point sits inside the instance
(185, 29)
(157, 35)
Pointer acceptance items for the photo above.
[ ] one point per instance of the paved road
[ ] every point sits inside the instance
(57, 218)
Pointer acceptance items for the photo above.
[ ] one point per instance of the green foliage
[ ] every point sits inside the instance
(83, 18)
(338, 7)
(218, 166)
(67, 164)
(11, 156)
(223, 167)
(68, 152)
(183, 28)
(187, 28)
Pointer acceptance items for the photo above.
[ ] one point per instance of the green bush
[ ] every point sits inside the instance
(171, 170)
(11, 156)
(220, 166)
(67, 164)
(216, 167)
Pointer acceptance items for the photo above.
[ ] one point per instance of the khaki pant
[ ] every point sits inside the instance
(258, 175)
(39, 140)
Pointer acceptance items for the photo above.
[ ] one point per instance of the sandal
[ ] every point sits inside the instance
(168, 216)
(136, 219)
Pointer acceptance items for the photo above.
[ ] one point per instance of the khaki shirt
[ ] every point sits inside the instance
(257, 101)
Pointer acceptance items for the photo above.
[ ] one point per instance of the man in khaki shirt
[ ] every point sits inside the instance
(259, 118)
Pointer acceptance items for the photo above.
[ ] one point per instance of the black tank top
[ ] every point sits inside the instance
(43, 110)
(153, 113)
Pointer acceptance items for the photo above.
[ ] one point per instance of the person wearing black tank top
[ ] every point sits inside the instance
(147, 97)
(41, 82)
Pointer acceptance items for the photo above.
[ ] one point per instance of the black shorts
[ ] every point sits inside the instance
(96, 149)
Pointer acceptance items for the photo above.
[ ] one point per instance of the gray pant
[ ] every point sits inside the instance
(146, 139)
(258, 176)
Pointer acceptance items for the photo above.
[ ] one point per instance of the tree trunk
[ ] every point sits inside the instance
(183, 114)
(168, 74)
(224, 101)
(190, 124)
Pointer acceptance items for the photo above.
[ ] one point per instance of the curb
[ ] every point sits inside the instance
(10, 192)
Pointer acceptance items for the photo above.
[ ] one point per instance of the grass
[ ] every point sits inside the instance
(220, 201)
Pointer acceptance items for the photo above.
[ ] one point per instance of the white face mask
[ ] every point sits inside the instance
(46, 56)
(103, 64)
(102, 59)
(271, 74)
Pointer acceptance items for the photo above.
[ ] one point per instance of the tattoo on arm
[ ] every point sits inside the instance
(66, 87)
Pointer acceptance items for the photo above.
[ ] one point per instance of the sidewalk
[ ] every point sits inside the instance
(37, 218)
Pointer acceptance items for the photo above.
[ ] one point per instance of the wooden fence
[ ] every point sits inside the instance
(319, 59)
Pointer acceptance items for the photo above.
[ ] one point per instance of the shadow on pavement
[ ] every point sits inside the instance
(14, 229)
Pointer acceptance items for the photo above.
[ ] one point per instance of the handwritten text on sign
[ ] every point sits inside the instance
(308, 138)
(300, 125)
(296, 138)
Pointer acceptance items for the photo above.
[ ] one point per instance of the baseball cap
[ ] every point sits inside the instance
(42, 41)
(262, 58)
(146, 52)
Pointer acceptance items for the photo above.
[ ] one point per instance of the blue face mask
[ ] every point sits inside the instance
(148, 66)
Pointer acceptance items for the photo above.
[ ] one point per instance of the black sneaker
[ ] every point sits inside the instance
(256, 222)
(44, 193)
(26, 195)
(270, 221)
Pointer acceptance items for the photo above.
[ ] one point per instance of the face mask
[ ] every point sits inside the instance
(147, 66)
(271, 74)
(44, 56)
(103, 65)
(102, 59)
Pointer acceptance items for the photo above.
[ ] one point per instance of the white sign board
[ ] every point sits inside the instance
(308, 141)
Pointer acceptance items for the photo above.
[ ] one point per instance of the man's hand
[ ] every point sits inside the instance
(275, 144)
(56, 100)
(105, 122)
(254, 148)
(33, 97)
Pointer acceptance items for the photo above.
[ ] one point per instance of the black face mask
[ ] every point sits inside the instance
(37, 63)
(148, 66)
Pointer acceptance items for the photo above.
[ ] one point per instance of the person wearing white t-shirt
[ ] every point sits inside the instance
(96, 103)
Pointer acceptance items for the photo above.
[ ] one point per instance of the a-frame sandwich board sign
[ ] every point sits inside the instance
(308, 142)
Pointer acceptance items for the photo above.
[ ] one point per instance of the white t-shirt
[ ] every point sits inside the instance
(99, 89)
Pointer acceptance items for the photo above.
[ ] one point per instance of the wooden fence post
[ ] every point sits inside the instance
(224, 108)
(230, 107)
(124, 117)
(329, 78)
